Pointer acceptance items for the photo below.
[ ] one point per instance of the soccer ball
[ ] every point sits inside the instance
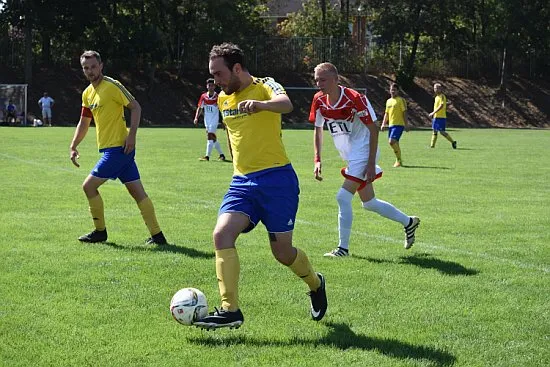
(37, 122)
(188, 305)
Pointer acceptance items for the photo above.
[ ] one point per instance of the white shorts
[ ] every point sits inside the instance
(211, 128)
(47, 113)
(358, 169)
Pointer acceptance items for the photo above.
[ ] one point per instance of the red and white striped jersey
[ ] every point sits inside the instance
(210, 108)
(346, 121)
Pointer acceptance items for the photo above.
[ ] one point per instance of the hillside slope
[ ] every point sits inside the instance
(168, 98)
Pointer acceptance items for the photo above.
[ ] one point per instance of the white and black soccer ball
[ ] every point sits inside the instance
(188, 305)
(37, 122)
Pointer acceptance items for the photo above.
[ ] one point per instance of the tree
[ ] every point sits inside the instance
(314, 21)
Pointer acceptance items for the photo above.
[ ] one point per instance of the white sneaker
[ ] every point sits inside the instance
(409, 232)
(337, 252)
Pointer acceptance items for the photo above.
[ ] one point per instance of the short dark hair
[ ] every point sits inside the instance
(89, 54)
(231, 54)
(210, 81)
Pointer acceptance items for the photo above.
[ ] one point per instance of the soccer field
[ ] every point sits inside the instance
(473, 291)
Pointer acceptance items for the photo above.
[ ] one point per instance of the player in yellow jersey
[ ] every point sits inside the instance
(439, 116)
(396, 115)
(104, 101)
(264, 187)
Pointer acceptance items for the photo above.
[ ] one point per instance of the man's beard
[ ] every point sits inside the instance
(233, 86)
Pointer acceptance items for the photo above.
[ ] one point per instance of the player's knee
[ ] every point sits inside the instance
(344, 197)
(285, 256)
(370, 205)
(89, 190)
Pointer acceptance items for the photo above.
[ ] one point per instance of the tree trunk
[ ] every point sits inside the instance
(323, 15)
(46, 48)
(502, 88)
(484, 19)
(28, 53)
(410, 62)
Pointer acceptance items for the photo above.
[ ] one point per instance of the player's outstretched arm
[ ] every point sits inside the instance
(79, 134)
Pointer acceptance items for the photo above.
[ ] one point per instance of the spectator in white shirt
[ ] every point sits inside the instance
(46, 103)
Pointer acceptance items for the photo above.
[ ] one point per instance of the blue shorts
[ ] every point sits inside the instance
(438, 123)
(269, 196)
(395, 131)
(115, 164)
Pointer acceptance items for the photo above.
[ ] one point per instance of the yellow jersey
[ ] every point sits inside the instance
(255, 139)
(107, 102)
(440, 99)
(395, 108)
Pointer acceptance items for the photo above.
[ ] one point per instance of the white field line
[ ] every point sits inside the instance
(212, 204)
(39, 164)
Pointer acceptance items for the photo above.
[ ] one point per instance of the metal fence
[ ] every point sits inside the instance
(301, 54)
(279, 54)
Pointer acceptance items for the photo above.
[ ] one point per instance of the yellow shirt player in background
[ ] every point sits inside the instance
(396, 115)
(104, 101)
(439, 116)
(264, 187)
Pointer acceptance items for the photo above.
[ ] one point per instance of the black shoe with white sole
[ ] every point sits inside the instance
(221, 318)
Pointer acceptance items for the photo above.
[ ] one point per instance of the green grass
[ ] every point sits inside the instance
(473, 291)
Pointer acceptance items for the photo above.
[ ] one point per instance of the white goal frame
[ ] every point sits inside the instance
(17, 93)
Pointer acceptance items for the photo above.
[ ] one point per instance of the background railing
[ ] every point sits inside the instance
(301, 54)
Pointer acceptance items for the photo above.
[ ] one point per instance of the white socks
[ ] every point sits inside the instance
(345, 217)
(213, 144)
(209, 146)
(217, 146)
(386, 210)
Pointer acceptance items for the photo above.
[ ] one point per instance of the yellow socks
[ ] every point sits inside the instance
(148, 214)
(227, 271)
(98, 214)
(434, 139)
(302, 268)
(397, 151)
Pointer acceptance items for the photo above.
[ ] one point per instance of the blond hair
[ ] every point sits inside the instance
(326, 66)
(90, 54)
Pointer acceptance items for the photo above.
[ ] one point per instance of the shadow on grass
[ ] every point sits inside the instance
(426, 261)
(341, 337)
(187, 251)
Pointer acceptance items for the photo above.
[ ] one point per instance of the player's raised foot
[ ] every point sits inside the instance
(157, 239)
(337, 252)
(205, 158)
(397, 164)
(94, 236)
(319, 300)
(221, 318)
(410, 229)
(454, 144)
(221, 157)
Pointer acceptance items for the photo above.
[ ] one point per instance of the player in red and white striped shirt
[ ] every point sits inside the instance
(208, 103)
(350, 119)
